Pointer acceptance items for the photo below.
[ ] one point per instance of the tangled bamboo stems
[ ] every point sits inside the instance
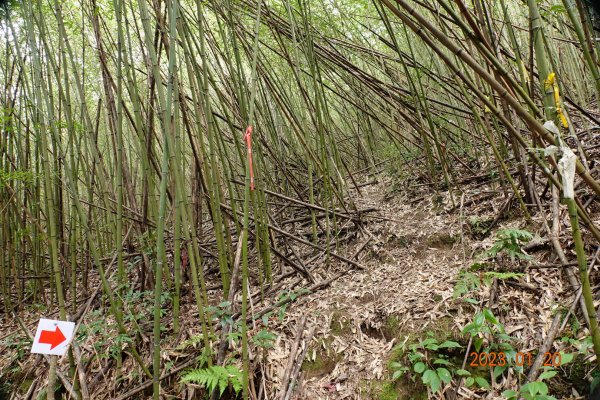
(122, 116)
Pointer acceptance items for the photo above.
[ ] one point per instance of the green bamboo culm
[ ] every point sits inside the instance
(248, 197)
(50, 201)
(245, 357)
(167, 125)
(566, 167)
(587, 52)
(543, 66)
(585, 278)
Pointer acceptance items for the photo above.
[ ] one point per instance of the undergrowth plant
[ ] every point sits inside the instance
(469, 280)
(216, 377)
(429, 362)
(509, 242)
(537, 390)
(488, 334)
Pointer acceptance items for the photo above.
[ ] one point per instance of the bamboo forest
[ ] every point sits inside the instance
(299, 199)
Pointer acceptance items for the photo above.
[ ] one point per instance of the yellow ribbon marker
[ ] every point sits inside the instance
(551, 84)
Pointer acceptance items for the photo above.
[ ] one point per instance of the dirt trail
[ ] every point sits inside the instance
(359, 319)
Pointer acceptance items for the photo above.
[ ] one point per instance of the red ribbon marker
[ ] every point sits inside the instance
(248, 139)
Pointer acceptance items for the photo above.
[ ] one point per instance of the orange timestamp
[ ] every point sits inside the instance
(500, 359)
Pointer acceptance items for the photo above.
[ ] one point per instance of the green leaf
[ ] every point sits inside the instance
(397, 375)
(479, 319)
(216, 377)
(462, 372)
(431, 378)
(533, 388)
(542, 388)
(441, 361)
(499, 370)
(477, 343)
(223, 383)
(504, 336)
(265, 318)
(547, 375)
(430, 344)
(594, 383)
(529, 388)
(482, 382)
(428, 375)
(489, 316)
(395, 365)
(428, 341)
(469, 381)
(281, 313)
(419, 367)
(501, 275)
(436, 384)
(509, 394)
(471, 328)
(444, 375)
(566, 358)
(264, 339)
(415, 355)
(449, 345)
(237, 385)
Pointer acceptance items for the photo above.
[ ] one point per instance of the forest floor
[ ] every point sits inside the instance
(360, 322)
(368, 319)
(410, 265)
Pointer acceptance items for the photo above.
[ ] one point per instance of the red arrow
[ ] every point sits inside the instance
(52, 338)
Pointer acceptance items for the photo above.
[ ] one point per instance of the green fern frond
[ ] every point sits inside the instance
(509, 241)
(216, 377)
(489, 276)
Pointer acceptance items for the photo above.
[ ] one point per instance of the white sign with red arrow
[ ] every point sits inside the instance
(53, 337)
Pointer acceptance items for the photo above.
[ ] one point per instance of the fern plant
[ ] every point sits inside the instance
(468, 281)
(509, 241)
(216, 377)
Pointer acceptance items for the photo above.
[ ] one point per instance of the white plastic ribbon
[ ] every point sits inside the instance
(566, 167)
(567, 163)
(550, 151)
(551, 126)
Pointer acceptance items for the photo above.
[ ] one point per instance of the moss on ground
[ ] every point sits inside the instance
(341, 323)
(391, 327)
(403, 389)
(324, 361)
(571, 376)
(442, 240)
(25, 385)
